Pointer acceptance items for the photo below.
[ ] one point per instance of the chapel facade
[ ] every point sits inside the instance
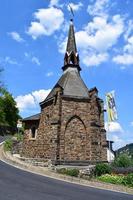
(70, 127)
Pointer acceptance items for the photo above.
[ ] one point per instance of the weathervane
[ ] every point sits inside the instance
(71, 10)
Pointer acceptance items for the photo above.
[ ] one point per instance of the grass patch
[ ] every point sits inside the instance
(8, 144)
(117, 179)
(69, 172)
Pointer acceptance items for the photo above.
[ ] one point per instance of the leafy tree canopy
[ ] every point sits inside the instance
(9, 113)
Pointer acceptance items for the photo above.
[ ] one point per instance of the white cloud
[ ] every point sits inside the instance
(16, 36)
(94, 59)
(40, 95)
(101, 34)
(99, 8)
(129, 46)
(120, 139)
(32, 100)
(49, 74)
(118, 135)
(10, 61)
(48, 21)
(126, 58)
(35, 60)
(96, 38)
(74, 6)
(26, 101)
(129, 29)
(113, 127)
(54, 3)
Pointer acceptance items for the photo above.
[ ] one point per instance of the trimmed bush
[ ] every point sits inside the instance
(102, 168)
(8, 144)
(69, 172)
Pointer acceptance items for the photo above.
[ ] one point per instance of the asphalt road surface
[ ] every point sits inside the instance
(16, 184)
(2, 138)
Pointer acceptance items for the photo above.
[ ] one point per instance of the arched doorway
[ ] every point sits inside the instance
(75, 139)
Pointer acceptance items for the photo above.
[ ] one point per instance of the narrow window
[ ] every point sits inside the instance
(33, 132)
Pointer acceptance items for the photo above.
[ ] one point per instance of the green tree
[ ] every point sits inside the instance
(9, 113)
(10, 110)
(2, 90)
(122, 160)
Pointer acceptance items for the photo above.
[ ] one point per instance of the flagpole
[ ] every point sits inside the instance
(109, 142)
(111, 114)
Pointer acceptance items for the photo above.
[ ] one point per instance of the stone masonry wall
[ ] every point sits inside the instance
(69, 130)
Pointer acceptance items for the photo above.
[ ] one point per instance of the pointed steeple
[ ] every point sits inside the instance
(71, 58)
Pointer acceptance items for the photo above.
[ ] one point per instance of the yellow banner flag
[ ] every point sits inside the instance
(111, 107)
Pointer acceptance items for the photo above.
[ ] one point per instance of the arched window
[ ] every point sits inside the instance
(33, 132)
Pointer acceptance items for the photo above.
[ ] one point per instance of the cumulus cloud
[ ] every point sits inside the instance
(54, 3)
(16, 36)
(99, 8)
(120, 139)
(126, 58)
(26, 101)
(48, 21)
(96, 38)
(94, 59)
(118, 135)
(74, 6)
(32, 100)
(113, 127)
(40, 95)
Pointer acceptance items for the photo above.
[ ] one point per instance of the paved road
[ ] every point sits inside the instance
(2, 138)
(16, 184)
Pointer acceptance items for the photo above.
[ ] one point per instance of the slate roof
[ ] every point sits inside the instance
(32, 118)
(71, 81)
(72, 85)
(71, 43)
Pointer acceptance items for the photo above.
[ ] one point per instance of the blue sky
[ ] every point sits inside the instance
(32, 44)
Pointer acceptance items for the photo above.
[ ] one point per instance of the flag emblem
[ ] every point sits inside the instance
(111, 106)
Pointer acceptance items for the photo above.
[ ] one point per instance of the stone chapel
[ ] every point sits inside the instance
(70, 127)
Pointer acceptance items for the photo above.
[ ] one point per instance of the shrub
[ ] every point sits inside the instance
(70, 172)
(128, 180)
(102, 168)
(115, 179)
(19, 137)
(122, 161)
(8, 144)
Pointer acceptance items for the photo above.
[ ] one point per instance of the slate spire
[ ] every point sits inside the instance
(71, 55)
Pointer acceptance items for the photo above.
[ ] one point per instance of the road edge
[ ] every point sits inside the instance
(10, 160)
